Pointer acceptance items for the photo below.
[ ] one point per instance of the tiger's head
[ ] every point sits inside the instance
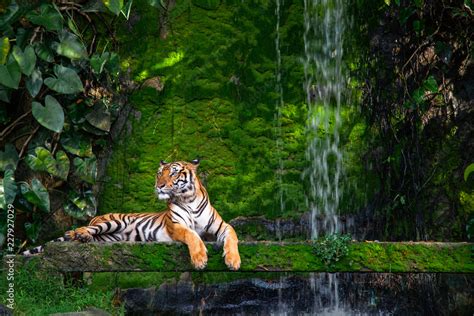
(176, 179)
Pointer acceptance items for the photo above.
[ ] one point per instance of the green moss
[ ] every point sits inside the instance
(218, 103)
(261, 256)
(40, 293)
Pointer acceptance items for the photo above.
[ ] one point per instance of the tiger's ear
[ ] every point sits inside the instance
(162, 163)
(195, 162)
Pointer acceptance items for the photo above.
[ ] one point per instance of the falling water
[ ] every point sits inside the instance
(278, 128)
(324, 85)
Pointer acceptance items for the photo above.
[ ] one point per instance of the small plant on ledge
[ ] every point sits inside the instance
(332, 248)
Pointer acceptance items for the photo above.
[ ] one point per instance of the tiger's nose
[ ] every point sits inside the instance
(160, 186)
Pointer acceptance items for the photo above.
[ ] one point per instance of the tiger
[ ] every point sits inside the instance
(188, 217)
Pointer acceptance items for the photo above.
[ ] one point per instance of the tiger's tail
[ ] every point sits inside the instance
(40, 248)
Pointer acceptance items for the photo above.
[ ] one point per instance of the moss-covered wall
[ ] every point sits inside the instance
(260, 256)
(218, 68)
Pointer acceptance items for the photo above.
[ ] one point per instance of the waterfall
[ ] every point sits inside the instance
(324, 84)
(278, 128)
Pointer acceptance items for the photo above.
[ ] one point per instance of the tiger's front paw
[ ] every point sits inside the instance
(81, 234)
(232, 260)
(199, 259)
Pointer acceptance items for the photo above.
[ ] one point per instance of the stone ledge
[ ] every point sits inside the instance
(256, 256)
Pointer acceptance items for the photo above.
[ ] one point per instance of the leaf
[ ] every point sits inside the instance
(468, 171)
(8, 188)
(10, 14)
(81, 206)
(417, 26)
(418, 96)
(44, 161)
(25, 59)
(32, 231)
(41, 160)
(98, 62)
(67, 81)
(115, 6)
(9, 157)
(70, 46)
(34, 83)
(51, 115)
(77, 145)
(10, 75)
(86, 169)
(155, 3)
(36, 194)
(46, 16)
(73, 27)
(100, 117)
(62, 165)
(5, 97)
(405, 14)
(4, 49)
(44, 52)
(430, 84)
(126, 9)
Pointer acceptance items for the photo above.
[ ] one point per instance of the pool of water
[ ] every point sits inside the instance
(309, 294)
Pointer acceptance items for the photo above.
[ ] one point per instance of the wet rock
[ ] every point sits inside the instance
(316, 293)
(91, 311)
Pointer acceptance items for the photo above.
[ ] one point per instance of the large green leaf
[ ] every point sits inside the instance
(44, 52)
(468, 171)
(98, 62)
(34, 83)
(430, 84)
(10, 74)
(100, 117)
(9, 15)
(36, 194)
(43, 160)
(9, 157)
(127, 8)
(32, 230)
(8, 188)
(77, 145)
(67, 81)
(51, 115)
(70, 46)
(48, 16)
(62, 165)
(4, 49)
(5, 97)
(25, 59)
(115, 6)
(86, 169)
(81, 206)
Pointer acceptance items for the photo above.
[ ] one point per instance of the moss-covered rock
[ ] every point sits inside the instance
(258, 256)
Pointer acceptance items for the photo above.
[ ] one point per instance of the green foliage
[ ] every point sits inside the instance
(332, 248)
(38, 293)
(51, 115)
(44, 55)
(43, 160)
(115, 6)
(66, 81)
(47, 16)
(8, 189)
(10, 74)
(36, 194)
(467, 172)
